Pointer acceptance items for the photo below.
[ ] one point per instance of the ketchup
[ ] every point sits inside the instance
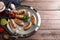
(2, 9)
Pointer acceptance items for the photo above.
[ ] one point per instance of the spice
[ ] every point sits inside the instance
(6, 36)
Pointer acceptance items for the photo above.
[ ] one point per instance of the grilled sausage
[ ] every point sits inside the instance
(28, 14)
(12, 23)
(19, 16)
(20, 23)
(33, 19)
(22, 11)
(26, 27)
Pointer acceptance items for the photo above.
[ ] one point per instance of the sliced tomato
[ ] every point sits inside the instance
(12, 14)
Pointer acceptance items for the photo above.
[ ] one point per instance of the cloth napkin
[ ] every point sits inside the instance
(16, 2)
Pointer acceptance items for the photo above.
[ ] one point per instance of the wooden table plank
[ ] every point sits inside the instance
(52, 18)
(43, 5)
(49, 14)
(45, 34)
(50, 24)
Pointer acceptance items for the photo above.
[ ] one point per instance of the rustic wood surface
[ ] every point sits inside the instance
(50, 16)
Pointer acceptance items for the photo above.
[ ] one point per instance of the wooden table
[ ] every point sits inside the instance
(50, 16)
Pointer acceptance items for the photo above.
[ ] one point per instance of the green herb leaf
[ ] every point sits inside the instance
(26, 17)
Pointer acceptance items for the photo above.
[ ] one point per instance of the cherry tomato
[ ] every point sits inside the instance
(1, 29)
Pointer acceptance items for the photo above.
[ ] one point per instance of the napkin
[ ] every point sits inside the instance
(7, 2)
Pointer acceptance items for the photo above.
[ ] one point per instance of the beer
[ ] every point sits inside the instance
(2, 9)
(2, 6)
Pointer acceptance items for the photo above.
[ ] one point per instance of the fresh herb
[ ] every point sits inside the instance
(26, 17)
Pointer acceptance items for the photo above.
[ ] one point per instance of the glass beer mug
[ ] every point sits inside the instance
(2, 9)
(2, 6)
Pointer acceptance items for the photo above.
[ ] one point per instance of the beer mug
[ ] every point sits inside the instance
(2, 6)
